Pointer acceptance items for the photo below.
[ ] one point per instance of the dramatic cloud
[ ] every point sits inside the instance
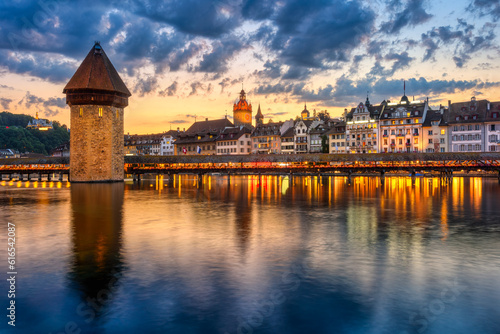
(464, 37)
(222, 52)
(170, 90)
(5, 103)
(146, 85)
(44, 105)
(412, 15)
(486, 7)
(315, 33)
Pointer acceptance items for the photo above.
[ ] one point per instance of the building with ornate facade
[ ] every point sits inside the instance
(400, 125)
(362, 135)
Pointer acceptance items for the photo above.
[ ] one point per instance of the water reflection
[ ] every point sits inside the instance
(97, 265)
(219, 254)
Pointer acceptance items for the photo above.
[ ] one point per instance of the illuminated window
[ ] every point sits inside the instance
(374, 126)
(415, 140)
(81, 112)
(393, 122)
(408, 114)
(117, 114)
(100, 112)
(443, 131)
(416, 120)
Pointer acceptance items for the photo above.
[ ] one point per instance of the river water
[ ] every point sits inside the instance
(254, 255)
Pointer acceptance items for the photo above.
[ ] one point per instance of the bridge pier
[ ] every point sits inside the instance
(200, 180)
(349, 174)
(228, 179)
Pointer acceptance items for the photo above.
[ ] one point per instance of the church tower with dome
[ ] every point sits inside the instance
(242, 112)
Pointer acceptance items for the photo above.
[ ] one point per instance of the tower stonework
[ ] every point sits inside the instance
(96, 96)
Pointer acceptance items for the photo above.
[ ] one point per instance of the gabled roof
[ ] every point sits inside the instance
(432, 116)
(289, 133)
(216, 125)
(468, 112)
(233, 133)
(96, 72)
(268, 129)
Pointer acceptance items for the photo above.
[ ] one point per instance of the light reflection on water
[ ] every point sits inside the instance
(257, 254)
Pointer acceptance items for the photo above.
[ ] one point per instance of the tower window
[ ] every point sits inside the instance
(117, 114)
(81, 112)
(100, 112)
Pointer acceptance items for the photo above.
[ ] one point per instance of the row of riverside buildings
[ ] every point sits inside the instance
(390, 127)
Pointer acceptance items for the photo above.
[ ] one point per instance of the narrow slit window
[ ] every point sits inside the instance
(81, 112)
(117, 114)
(100, 112)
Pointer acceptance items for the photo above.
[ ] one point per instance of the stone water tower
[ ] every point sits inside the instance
(97, 96)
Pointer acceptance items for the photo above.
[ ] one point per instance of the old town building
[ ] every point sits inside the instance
(316, 134)
(362, 135)
(266, 138)
(201, 137)
(435, 131)
(400, 125)
(467, 124)
(234, 140)
(336, 138)
(492, 127)
(287, 145)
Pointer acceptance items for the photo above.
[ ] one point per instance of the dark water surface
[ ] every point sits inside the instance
(319, 256)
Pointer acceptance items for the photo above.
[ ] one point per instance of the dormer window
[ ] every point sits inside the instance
(457, 118)
(416, 112)
(474, 116)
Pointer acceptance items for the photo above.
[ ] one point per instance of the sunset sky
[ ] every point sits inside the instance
(185, 58)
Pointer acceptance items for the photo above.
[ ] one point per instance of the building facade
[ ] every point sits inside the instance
(400, 125)
(233, 141)
(435, 132)
(336, 138)
(467, 125)
(362, 135)
(201, 137)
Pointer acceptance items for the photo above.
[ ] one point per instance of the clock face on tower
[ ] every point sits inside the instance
(247, 117)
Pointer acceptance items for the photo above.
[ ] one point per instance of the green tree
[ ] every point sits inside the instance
(324, 144)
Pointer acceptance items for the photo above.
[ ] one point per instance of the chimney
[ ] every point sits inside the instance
(488, 107)
(178, 129)
(183, 129)
(206, 119)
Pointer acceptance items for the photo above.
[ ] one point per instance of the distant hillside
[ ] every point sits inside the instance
(14, 135)
(9, 119)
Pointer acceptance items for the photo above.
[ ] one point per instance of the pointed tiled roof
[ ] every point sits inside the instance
(96, 72)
